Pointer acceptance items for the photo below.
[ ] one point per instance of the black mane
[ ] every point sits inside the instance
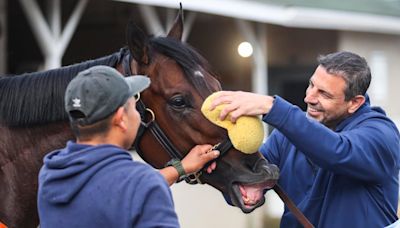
(38, 98)
(187, 58)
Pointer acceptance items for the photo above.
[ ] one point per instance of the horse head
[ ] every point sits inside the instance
(181, 80)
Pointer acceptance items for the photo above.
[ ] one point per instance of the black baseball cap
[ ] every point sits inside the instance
(98, 92)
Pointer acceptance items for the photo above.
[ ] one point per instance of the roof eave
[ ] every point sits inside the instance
(293, 16)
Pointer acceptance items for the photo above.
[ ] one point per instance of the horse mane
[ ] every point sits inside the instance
(188, 59)
(37, 98)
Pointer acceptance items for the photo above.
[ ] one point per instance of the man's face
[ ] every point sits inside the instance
(325, 98)
(133, 120)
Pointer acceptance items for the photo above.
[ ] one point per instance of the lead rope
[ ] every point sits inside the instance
(292, 207)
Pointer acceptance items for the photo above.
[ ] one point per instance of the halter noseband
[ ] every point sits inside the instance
(160, 136)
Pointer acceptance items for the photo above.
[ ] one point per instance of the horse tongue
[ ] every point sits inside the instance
(251, 194)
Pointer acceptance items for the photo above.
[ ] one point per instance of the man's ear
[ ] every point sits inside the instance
(118, 119)
(355, 103)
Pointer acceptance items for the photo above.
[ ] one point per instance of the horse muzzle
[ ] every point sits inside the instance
(247, 192)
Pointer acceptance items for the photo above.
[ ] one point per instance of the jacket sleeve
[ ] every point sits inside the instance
(368, 152)
(271, 148)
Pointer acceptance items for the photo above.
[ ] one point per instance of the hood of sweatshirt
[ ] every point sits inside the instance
(366, 111)
(67, 171)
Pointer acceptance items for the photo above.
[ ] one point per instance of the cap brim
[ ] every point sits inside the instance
(137, 83)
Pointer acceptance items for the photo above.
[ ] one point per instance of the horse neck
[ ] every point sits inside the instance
(29, 143)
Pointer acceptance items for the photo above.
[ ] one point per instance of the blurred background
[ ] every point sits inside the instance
(264, 46)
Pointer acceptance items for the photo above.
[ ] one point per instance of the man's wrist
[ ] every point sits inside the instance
(177, 164)
(268, 104)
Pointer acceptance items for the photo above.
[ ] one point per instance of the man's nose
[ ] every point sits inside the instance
(311, 97)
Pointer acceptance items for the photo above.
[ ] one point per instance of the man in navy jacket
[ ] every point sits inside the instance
(339, 161)
(93, 182)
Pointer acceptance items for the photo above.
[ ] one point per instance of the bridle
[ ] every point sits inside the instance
(152, 126)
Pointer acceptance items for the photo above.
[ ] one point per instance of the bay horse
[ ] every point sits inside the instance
(33, 122)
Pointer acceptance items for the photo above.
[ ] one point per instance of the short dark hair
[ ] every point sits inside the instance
(86, 132)
(353, 68)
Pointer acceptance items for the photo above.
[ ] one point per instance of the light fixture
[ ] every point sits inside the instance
(245, 49)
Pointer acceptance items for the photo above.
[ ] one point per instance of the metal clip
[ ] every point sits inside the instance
(194, 178)
(214, 147)
(153, 118)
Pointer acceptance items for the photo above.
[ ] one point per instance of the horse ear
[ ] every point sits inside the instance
(177, 28)
(137, 43)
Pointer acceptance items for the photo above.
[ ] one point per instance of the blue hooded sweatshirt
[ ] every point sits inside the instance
(342, 178)
(100, 186)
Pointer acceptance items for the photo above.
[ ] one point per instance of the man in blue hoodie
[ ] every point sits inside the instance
(93, 182)
(339, 161)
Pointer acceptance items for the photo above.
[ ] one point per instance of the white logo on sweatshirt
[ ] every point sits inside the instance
(76, 103)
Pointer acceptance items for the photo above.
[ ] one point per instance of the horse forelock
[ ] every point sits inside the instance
(194, 66)
(38, 98)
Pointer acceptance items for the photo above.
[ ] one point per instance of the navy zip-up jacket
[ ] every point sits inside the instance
(342, 178)
(100, 186)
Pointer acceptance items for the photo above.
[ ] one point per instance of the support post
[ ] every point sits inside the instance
(3, 36)
(51, 40)
(258, 40)
(154, 25)
(151, 20)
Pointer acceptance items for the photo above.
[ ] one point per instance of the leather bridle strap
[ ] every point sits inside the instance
(292, 207)
(152, 125)
(222, 147)
(156, 131)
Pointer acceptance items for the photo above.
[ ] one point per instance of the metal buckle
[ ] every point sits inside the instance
(214, 147)
(194, 178)
(153, 117)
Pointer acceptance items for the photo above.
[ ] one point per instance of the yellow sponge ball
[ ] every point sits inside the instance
(246, 134)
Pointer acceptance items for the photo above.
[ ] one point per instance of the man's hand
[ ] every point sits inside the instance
(197, 157)
(240, 103)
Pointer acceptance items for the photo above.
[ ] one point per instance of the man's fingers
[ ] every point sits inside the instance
(227, 110)
(214, 154)
(224, 97)
(234, 115)
(206, 147)
(211, 167)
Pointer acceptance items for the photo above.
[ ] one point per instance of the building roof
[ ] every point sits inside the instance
(378, 7)
(378, 16)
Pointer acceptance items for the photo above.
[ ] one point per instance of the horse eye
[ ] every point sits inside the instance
(178, 102)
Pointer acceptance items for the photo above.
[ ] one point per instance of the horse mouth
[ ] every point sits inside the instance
(247, 192)
(250, 196)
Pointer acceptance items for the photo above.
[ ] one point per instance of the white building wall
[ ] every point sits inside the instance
(383, 55)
